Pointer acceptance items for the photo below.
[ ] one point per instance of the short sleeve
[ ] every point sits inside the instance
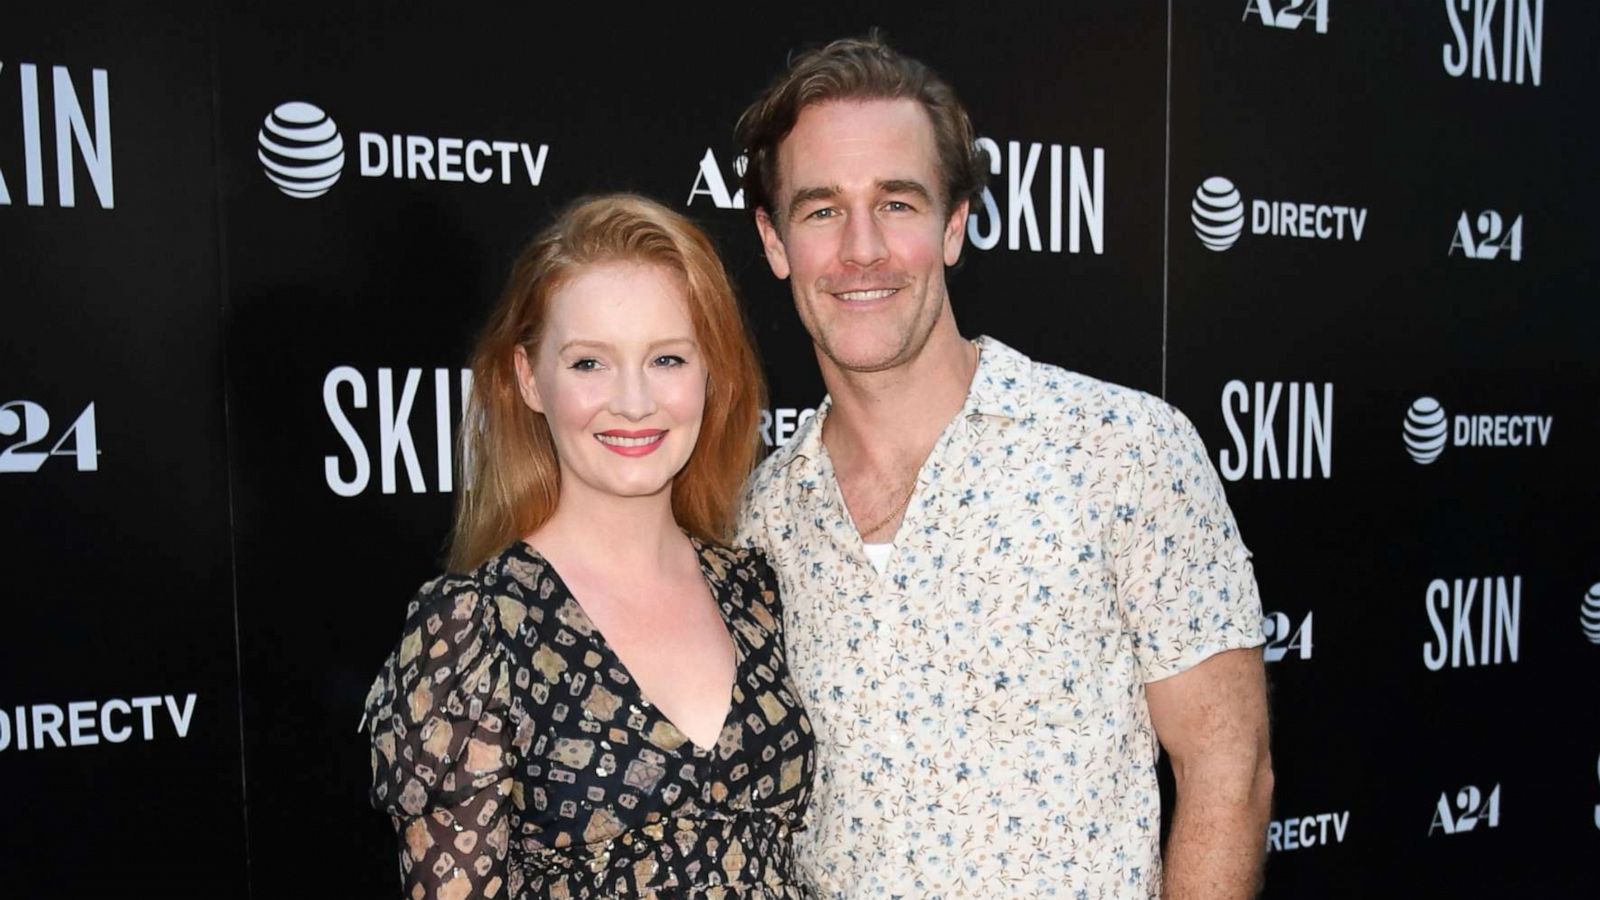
(1185, 584)
(439, 721)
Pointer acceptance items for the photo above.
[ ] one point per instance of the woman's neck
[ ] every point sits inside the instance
(630, 536)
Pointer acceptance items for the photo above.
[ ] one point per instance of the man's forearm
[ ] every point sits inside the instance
(1218, 840)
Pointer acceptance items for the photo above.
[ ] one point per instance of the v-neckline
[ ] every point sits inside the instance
(599, 639)
(828, 474)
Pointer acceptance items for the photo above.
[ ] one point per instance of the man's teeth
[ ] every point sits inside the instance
(619, 441)
(866, 295)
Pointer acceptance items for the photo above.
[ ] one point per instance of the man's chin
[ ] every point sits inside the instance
(864, 358)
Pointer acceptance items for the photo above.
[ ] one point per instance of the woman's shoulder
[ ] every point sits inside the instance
(745, 578)
(438, 714)
(503, 594)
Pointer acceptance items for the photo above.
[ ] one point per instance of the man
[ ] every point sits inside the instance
(1003, 581)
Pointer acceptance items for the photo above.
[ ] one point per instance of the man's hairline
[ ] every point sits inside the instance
(942, 189)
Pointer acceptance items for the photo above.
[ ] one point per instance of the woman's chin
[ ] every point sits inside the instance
(635, 489)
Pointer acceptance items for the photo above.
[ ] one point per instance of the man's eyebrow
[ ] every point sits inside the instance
(806, 195)
(889, 186)
(905, 186)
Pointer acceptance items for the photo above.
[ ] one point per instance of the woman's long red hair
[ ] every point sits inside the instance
(511, 478)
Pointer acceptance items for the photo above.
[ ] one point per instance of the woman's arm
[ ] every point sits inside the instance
(457, 852)
(440, 720)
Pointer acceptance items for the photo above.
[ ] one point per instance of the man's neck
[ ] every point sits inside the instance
(886, 421)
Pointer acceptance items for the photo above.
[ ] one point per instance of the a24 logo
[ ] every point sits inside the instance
(1291, 14)
(30, 424)
(1470, 808)
(1487, 236)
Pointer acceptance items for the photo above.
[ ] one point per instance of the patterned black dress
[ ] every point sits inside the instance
(518, 758)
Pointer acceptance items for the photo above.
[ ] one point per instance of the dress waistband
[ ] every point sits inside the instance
(749, 854)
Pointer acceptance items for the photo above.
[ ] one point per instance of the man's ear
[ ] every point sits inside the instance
(772, 243)
(525, 383)
(955, 233)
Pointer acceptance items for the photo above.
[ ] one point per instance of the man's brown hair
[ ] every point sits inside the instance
(863, 68)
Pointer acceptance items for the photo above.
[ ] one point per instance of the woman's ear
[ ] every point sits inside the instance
(525, 381)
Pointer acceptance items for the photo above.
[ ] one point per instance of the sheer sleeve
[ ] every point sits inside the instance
(439, 720)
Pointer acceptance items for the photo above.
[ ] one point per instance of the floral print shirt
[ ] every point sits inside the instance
(979, 706)
(519, 759)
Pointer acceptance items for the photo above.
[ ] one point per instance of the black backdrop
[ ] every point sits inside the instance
(245, 390)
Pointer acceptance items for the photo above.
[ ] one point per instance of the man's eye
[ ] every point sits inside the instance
(827, 212)
(586, 364)
(897, 206)
(669, 360)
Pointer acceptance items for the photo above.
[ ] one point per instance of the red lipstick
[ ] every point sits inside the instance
(632, 443)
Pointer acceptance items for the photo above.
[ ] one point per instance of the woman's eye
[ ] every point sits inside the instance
(669, 360)
(587, 364)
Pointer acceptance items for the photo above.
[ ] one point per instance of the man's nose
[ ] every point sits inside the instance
(863, 240)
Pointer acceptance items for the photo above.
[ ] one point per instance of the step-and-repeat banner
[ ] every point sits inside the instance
(1353, 241)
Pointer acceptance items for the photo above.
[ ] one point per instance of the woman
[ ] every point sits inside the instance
(595, 703)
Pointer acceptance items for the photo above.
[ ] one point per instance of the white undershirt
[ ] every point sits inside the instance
(878, 554)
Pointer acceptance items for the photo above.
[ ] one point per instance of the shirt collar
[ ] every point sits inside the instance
(1000, 384)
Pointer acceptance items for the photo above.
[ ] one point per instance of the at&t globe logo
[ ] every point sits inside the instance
(1590, 615)
(300, 150)
(1427, 429)
(1218, 213)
